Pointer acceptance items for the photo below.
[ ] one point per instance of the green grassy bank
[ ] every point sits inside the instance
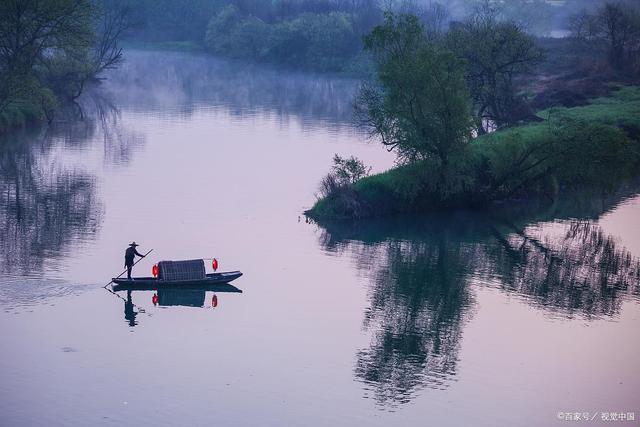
(592, 147)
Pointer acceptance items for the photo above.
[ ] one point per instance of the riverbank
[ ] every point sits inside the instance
(596, 146)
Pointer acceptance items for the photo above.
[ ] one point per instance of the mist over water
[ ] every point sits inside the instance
(146, 82)
(441, 318)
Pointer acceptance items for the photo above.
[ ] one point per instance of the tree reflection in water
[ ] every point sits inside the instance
(577, 271)
(421, 269)
(44, 207)
(418, 302)
(47, 200)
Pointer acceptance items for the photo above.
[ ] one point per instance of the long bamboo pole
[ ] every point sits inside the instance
(140, 259)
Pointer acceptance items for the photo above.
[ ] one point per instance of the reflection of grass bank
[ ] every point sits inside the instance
(20, 113)
(596, 146)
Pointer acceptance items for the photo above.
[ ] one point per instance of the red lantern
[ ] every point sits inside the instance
(154, 270)
(214, 301)
(214, 264)
(154, 299)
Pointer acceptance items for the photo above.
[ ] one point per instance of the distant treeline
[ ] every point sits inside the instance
(308, 34)
(319, 34)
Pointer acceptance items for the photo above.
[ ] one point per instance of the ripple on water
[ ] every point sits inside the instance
(20, 293)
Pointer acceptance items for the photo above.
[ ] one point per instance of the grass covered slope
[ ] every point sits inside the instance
(596, 147)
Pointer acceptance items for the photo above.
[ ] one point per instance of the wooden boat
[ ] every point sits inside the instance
(153, 283)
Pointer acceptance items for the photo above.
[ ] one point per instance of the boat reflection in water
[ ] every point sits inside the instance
(171, 296)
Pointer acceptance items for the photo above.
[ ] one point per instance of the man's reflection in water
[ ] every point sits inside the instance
(173, 297)
(129, 313)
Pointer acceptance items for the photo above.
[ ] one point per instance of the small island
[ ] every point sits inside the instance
(482, 113)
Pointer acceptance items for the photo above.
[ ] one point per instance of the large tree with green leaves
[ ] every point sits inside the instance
(50, 49)
(418, 105)
(33, 35)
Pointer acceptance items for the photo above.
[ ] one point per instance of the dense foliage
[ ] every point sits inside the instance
(430, 84)
(49, 50)
(320, 41)
(171, 20)
(419, 105)
(311, 34)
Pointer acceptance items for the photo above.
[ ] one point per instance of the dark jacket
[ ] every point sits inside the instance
(129, 254)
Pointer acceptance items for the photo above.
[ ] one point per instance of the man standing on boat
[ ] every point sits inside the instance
(129, 255)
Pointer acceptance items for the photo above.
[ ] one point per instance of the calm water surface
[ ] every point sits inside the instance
(501, 318)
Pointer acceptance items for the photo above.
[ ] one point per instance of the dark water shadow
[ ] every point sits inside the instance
(422, 270)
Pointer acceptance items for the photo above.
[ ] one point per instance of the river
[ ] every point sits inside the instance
(518, 316)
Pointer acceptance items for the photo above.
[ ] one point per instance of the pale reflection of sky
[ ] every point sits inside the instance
(624, 223)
